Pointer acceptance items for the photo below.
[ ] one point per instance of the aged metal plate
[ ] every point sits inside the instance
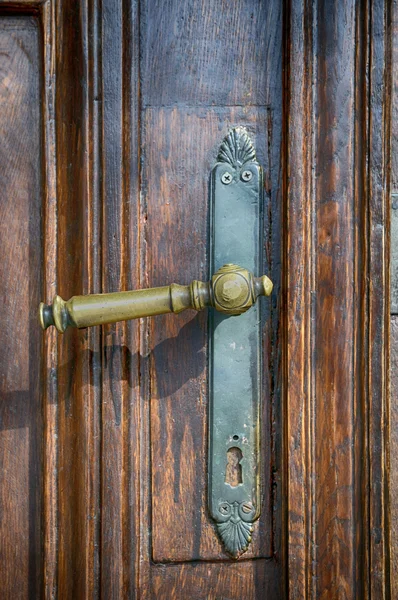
(394, 254)
(235, 359)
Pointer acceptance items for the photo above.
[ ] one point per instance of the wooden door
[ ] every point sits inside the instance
(111, 117)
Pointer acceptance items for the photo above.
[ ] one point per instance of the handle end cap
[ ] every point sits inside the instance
(46, 317)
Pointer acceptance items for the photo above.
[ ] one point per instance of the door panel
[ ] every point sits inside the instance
(175, 180)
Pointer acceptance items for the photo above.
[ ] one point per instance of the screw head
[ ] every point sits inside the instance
(226, 178)
(224, 508)
(247, 175)
(247, 507)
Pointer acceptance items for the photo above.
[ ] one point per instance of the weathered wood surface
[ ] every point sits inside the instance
(21, 275)
(336, 370)
(138, 97)
(334, 304)
(394, 168)
(394, 107)
(393, 455)
(178, 360)
(186, 115)
(394, 319)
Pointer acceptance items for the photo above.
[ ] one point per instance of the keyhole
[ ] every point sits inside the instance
(233, 471)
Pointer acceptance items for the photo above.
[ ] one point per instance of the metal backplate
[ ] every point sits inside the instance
(235, 359)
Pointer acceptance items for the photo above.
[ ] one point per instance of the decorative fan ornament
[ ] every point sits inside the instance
(236, 537)
(237, 148)
(235, 526)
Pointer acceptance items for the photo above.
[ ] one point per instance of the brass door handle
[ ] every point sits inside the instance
(235, 346)
(232, 290)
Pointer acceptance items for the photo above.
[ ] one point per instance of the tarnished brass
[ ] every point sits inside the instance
(232, 290)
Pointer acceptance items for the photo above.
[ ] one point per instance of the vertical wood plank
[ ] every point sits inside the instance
(333, 426)
(394, 320)
(342, 445)
(21, 276)
(299, 285)
(361, 287)
(50, 398)
(121, 421)
(78, 269)
(114, 382)
(379, 295)
(133, 546)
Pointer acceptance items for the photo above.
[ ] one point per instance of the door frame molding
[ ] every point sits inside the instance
(319, 516)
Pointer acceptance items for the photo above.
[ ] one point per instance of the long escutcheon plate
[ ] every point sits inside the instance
(235, 359)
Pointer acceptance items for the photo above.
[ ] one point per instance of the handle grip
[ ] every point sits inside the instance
(232, 290)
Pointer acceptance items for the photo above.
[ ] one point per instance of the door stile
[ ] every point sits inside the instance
(78, 266)
(50, 345)
(329, 517)
(298, 285)
(380, 93)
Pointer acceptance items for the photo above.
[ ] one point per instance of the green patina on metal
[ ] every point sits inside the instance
(235, 357)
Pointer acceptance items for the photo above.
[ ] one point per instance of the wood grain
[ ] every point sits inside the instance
(394, 328)
(131, 102)
(21, 273)
(333, 336)
(176, 245)
(394, 107)
(379, 298)
(336, 371)
(121, 452)
(394, 454)
(296, 316)
(179, 147)
(210, 53)
(78, 470)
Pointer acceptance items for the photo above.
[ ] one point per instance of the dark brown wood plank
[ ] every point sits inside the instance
(394, 454)
(246, 580)
(21, 275)
(122, 450)
(211, 53)
(361, 286)
(297, 318)
(394, 319)
(78, 272)
(114, 418)
(50, 350)
(394, 107)
(379, 296)
(333, 425)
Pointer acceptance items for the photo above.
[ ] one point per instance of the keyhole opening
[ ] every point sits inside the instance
(233, 471)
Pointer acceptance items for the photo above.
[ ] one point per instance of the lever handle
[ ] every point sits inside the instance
(232, 290)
